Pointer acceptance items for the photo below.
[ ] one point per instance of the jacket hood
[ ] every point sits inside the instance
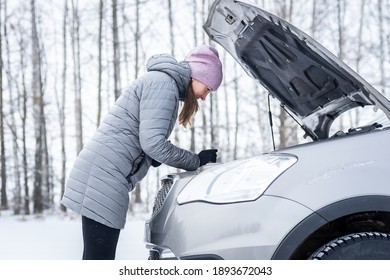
(179, 71)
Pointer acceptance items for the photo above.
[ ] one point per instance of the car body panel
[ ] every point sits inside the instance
(338, 168)
(332, 212)
(249, 236)
(313, 84)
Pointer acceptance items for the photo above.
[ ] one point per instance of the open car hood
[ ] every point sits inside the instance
(307, 79)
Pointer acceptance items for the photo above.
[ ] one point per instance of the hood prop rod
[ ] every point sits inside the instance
(270, 121)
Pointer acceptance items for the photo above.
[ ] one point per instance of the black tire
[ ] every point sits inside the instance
(356, 246)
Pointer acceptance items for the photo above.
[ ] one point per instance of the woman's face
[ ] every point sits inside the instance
(200, 90)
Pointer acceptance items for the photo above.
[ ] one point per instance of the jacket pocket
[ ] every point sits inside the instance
(136, 165)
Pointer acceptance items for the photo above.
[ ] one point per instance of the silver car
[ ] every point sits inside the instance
(327, 199)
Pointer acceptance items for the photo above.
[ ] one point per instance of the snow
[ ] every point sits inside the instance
(58, 237)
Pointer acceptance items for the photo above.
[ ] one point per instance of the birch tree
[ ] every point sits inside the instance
(137, 38)
(37, 90)
(172, 49)
(100, 61)
(12, 124)
(382, 58)
(116, 50)
(61, 101)
(136, 194)
(203, 112)
(237, 112)
(22, 92)
(4, 199)
(195, 38)
(75, 36)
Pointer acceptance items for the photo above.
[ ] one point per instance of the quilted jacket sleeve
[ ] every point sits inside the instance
(158, 112)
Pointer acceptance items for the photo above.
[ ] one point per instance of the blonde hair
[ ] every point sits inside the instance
(190, 107)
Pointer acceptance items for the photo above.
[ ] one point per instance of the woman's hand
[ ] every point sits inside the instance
(207, 156)
(155, 163)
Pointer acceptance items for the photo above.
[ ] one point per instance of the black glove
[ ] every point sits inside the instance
(155, 163)
(207, 156)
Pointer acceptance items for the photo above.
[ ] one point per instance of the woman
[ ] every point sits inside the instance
(132, 137)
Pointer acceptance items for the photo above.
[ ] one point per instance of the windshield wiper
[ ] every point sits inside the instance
(366, 128)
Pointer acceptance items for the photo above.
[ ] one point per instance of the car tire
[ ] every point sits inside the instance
(356, 246)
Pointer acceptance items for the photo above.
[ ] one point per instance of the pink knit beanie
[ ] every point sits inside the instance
(205, 65)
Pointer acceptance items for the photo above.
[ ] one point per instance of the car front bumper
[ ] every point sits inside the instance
(199, 230)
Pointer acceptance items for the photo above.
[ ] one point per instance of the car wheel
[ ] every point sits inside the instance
(356, 246)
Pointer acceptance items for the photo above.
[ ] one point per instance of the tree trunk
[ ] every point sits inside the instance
(203, 111)
(4, 199)
(171, 33)
(137, 37)
(137, 190)
(195, 35)
(100, 67)
(61, 103)
(176, 132)
(23, 116)
(382, 58)
(77, 76)
(340, 27)
(37, 111)
(261, 116)
(237, 124)
(46, 175)
(227, 150)
(116, 50)
(359, 51)
(12, 104)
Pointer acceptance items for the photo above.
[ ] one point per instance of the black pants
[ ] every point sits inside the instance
(99, 240)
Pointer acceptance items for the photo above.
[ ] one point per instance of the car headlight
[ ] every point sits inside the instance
(237, 181)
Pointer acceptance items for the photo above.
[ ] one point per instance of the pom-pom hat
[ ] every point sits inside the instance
(206, 67)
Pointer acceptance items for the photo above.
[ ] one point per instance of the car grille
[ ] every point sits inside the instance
(154, 255)
(166, 185)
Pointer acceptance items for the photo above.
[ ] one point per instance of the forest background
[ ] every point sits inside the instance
(64, 63)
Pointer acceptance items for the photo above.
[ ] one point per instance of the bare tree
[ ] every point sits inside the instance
(171, 28)
(237, 122)
(204, 115)
(137, 191)
(382, 59)
(22, 92)
(12, 124)
(355, 119)
(137, 38)
(37, 89)
(75, 35)
(4, 199)
(172, 47)
(227, 116)
(195, 37)
(360, 35)
(116, 49)
(61, 103)
(341, 41)
(340, 20)
(100, 67)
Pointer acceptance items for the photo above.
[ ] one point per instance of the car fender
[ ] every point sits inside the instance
(329, 213)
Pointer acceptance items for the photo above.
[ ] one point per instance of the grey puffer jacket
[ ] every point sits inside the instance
(134, 132)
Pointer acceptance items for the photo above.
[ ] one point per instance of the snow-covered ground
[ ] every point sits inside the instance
(59, 237)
